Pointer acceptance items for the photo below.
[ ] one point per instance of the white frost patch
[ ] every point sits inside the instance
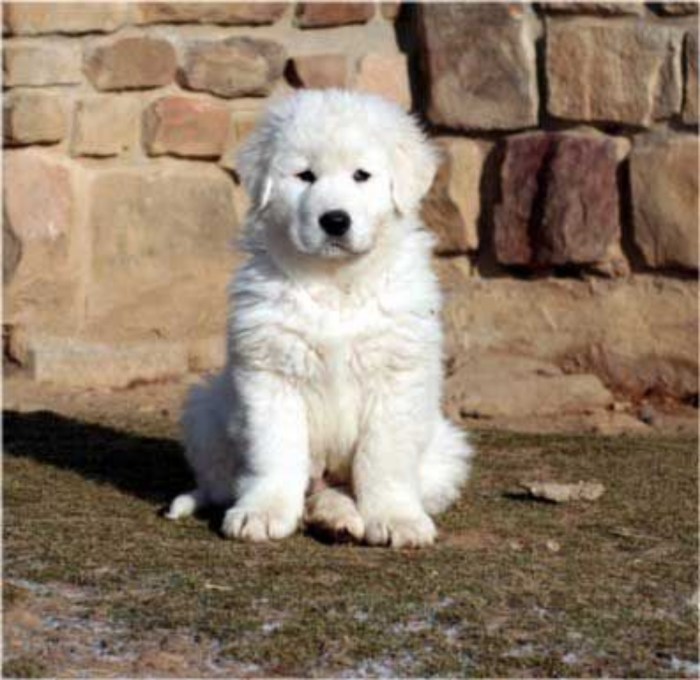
(570, 659)
(412, 626)
(520, 652)
(452, 632)
(271, 626)
(385, 667)
(445, 602)
(540, 611)
(690, 669)
(245, 668)
(374, 669)
(37, 588)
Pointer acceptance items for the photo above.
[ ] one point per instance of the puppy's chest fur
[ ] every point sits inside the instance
(337, 354)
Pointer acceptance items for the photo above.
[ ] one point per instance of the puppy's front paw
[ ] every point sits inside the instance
(259, 523)
(334, 513)
(400, 530)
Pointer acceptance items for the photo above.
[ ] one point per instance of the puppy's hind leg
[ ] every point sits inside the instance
(332, 512)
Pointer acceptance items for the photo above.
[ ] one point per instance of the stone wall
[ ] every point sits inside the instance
(566, 205)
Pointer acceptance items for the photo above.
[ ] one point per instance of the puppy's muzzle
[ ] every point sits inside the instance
(335, 222)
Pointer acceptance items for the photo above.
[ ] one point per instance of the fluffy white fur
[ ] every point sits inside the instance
(334, 343)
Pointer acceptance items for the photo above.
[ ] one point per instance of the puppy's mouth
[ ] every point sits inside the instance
(339, 248)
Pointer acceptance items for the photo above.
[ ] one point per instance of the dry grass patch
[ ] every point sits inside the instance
(514, 587)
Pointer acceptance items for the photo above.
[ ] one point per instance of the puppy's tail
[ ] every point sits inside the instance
(186, 504)
(444, 468)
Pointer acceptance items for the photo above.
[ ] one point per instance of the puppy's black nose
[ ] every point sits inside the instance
(335, 222)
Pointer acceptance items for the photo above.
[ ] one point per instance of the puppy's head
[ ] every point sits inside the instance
(327, 170)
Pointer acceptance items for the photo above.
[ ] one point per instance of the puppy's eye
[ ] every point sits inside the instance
(307, 176)
(361, 175)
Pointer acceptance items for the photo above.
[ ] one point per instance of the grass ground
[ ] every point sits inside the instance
(96, 583)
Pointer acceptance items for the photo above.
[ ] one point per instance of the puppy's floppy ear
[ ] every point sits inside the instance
(415, 161)
(253, 167)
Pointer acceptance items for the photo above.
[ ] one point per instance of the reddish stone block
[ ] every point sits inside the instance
(559, 200)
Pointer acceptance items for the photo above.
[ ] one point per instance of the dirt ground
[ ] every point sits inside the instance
(96, 583)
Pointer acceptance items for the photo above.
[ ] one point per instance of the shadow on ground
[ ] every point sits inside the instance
(149, 468)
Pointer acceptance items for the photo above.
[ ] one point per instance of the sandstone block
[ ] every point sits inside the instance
(385, 75)
(451, 209)
(74, 363)
(39, 212)
(390, 10)
(185, 126)
(207, 354)
(34, 18)
(599, 8)
(242, 199)
(323, 14)
(453, 273)
(676, 8)
(11, 252)
(45, 63)
(224, 13)
(639, 335)
(131, 64)
(236, 67)
(559, 200)
(33, 118)
(155, 229)
(480, 64)
(105, 125)
(29, 173)
(690, 95)
(509, 386)
(664, 178)
(242, 124)
(617, 72)
(319, 71)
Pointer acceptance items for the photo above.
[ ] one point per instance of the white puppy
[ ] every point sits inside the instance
(334, 342)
